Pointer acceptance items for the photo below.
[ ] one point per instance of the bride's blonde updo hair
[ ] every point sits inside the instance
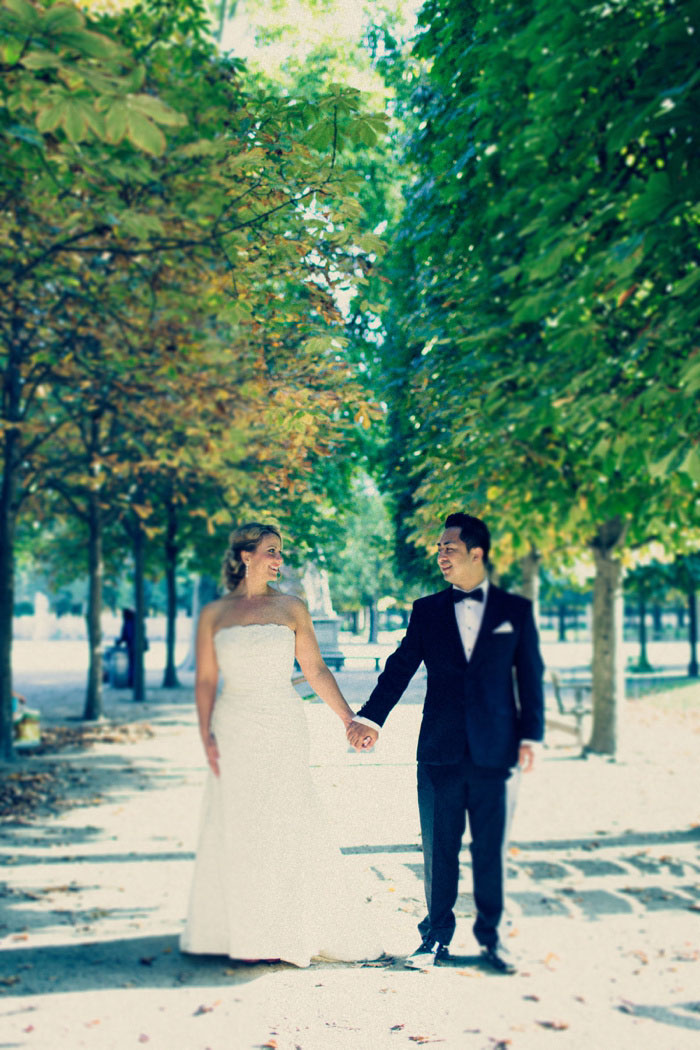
(244, 538)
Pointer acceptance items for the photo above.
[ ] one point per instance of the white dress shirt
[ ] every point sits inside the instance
(469, 615)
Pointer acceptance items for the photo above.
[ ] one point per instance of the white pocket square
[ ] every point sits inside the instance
(504, 628)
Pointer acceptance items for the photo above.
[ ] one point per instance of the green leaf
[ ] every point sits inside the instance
(320, 136)
(62, 17)
(204, 148)
(116, 122)
(23, 10)
(658, 197)
(48, 119)
(41, 60)
(144, 134)
(687, 282)
(690, 379)
(660, 468)
(156, 110)
(549, 264)
(93, 45)
(140, 224)
(74, 121)
(370, 242)
(691, 464)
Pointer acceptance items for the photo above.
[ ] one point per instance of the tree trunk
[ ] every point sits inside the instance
(608, 666)
(170, 676)
(11, 442)
(693, 629)
(530, 568)
(562, 611)
(373, 622)
(643, 662)
(7, 598)
(138, 540)
(93, 696)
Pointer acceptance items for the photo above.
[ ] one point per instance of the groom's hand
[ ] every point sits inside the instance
(360, 736)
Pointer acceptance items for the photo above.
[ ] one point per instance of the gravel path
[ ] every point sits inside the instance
(604, 898)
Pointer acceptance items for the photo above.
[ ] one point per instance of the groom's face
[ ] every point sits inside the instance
(458, 565)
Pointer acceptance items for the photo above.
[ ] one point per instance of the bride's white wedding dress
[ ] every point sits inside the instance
(268, 882)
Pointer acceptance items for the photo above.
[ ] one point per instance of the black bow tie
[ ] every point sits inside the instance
(476, 595)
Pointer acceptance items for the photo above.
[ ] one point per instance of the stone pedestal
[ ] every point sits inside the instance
(326, 628)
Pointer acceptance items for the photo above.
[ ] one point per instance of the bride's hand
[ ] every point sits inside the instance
(360, 736)
(212, 753)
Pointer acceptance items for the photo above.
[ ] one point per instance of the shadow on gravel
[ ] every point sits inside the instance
(684, 1015)
(38, 787)
(139, 962)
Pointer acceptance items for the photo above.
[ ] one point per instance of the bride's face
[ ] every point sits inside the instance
(266, 559)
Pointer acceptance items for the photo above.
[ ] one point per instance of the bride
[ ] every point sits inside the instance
(267, 882)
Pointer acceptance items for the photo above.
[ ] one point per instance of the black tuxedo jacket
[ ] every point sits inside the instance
(489, 703)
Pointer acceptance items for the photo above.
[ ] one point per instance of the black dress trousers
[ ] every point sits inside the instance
(447, 796)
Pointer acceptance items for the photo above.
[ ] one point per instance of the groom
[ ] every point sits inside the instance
(483, 711)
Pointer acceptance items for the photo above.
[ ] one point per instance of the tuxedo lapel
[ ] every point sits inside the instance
(491, 618)
(447, 631)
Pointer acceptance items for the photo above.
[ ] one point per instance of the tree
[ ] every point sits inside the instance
(549, 250)
(363, 570)
(98, 217)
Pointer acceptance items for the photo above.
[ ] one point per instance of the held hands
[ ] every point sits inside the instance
(361, 737)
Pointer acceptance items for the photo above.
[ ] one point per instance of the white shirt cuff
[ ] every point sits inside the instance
(367, 722)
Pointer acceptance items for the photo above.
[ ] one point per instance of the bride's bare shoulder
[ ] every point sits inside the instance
(211, 613)
(293, 607)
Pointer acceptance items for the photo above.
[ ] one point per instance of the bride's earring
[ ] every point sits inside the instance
(247, 570)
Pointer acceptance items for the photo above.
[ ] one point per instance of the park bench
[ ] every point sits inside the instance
(572, 707)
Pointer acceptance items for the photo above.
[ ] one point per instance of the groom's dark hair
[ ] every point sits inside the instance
(472, 531)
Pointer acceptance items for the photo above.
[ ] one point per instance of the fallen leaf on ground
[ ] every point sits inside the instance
(555, 1026)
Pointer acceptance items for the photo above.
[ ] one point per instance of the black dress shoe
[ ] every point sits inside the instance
(498, 958)
(430, 953)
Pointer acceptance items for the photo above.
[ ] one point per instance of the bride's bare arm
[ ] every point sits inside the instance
(206, 678)
(312, 664)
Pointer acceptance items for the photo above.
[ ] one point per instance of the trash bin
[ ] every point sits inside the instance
(116, 670)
